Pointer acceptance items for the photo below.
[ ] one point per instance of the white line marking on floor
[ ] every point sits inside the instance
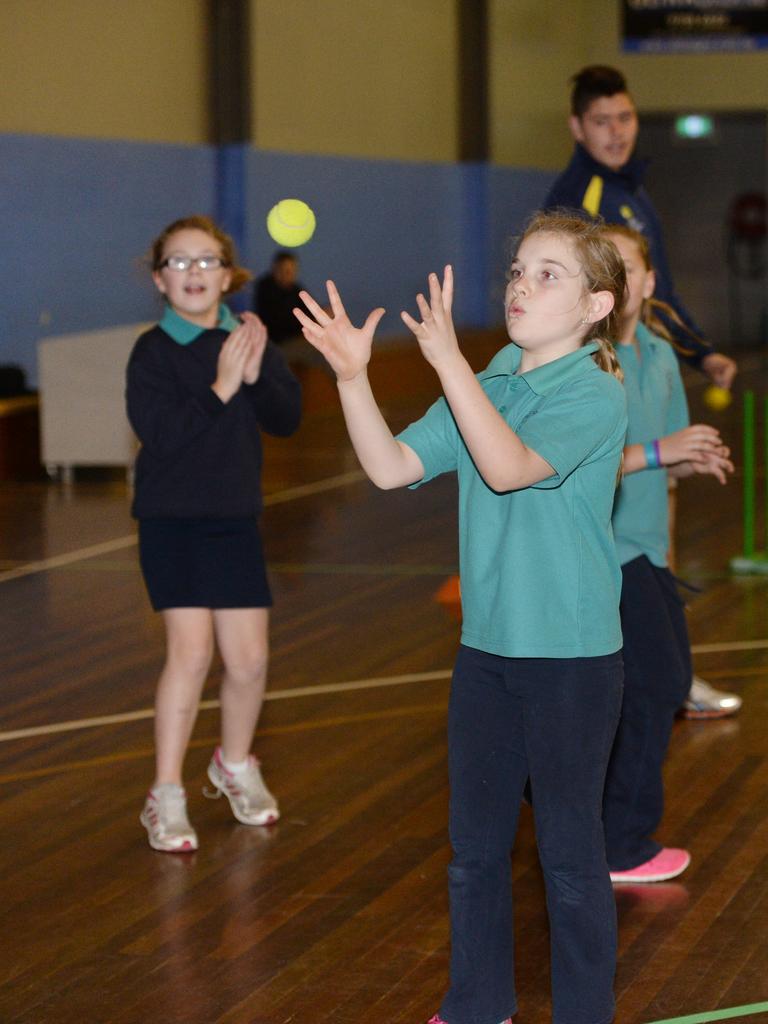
(57, 561)
(278, 498)
(311, 691)
(207, 705)
(734, 645)
(304, 490)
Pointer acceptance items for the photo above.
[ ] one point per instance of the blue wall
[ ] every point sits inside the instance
(78, 215)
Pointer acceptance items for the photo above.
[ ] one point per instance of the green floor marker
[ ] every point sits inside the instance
(751, 560)
(702, 1018)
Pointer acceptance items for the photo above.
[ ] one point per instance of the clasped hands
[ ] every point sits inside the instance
(241, 356)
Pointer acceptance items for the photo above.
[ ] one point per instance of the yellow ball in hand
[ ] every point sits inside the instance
(291, 222)
(717, 398)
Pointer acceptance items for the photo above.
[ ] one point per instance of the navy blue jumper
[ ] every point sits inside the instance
(201, 457)
(620, 197)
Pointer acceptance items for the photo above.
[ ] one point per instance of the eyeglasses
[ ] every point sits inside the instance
(201, 262)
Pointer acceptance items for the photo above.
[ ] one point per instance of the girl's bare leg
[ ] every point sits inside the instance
(189, 649)
(242, 636)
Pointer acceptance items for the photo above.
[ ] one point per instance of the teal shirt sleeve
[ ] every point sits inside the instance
(581, 422)
(435, 439)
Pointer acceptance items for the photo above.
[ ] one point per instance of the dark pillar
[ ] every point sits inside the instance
(474, 154)
(229, 111)
(473, 80)
(229, 75)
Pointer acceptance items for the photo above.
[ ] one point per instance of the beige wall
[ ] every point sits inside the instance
(370, 78)
(128, 69)
(673, 82)
(534, 50)
(365, 78)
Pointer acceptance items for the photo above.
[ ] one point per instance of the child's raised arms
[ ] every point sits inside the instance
(388, 462)
(502, 459)
(435, 334)
(346, 348)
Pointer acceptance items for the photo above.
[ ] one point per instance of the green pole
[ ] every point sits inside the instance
(749, 474)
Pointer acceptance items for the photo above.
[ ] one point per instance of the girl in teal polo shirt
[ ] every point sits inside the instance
(536, 442)
(657, 659)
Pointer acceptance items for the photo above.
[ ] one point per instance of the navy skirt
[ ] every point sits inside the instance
(203, 563)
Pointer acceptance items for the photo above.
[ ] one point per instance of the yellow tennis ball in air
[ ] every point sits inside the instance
(717, 398)
(291, 222)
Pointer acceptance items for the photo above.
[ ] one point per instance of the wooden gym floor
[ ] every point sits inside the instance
(338, 913)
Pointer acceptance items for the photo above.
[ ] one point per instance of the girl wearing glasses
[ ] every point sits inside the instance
(201, 386)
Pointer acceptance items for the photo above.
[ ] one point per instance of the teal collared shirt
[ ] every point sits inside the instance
(185, 332)
(539, 573)
(657, 406)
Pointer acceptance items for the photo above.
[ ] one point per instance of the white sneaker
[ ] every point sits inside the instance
(165, 818)
(249, 798)
(704, 701)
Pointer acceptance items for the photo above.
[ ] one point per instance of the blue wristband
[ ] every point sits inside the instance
(651, 455)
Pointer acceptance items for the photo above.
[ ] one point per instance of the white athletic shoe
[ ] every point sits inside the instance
(248, 796)
(704, 701)
(165, 818)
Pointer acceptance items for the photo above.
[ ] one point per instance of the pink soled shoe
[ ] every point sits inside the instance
(437, 1019)
(248, 796)
(668, 863)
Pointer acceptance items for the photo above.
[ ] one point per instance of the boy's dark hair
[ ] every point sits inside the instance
(593, 83)
(282, 255)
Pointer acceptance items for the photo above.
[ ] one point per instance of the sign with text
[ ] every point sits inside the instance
(698, 26)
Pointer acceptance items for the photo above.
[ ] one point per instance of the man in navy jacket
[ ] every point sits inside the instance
(605, 179)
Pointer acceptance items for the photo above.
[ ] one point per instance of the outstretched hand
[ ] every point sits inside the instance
(346, 348)
(720, 369)
(714, 463)
(435, 334)
(697, 449)
(690, 444)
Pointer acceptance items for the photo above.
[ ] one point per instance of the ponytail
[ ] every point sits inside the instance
(652, 320)
(607, 360)
(654, 309)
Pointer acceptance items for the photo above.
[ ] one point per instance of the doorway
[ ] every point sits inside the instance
(710, 193)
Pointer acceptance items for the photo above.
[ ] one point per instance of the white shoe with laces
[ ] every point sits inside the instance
(704, 701)
(164, 816)
(248, 796)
